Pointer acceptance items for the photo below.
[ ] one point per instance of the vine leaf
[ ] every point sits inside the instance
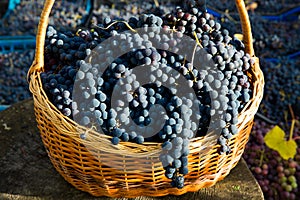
(288, 149)
(275, 139)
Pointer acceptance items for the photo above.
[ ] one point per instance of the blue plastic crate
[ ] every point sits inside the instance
(11, 6)
(16, 43)
(288, 57)
(13, 3)
(10, 44)
(3, 107)
(290, 15)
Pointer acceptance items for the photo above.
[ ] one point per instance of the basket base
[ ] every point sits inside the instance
(26, 171)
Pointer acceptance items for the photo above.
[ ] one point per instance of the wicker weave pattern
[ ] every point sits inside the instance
(85, 169)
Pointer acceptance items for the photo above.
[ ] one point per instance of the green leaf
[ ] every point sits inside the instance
(275, 139)
(287, 149)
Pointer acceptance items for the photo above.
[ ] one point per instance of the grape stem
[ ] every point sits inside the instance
(296, 138)
(193, 56)
(226, 13)
(292, 129)
(197, 40)
(115, 22)
(266, 119)
(156, 3)
(261, 158)
(293, 122)
(191, 71)
(11, 64)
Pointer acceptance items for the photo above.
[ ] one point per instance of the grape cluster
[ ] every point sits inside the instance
(125, 10)
(274, 7)
(271, 40)
(63, 51)
(13, 83)
(151, 91)
(282, 88)
(140, 101)
(24, 19)
(262, 7)
(278, 43)
(228, 54)
(278, 178)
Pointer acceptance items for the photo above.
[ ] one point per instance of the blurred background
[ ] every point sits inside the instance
(276, 34)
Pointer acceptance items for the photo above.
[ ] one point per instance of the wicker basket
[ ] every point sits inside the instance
(84, 168)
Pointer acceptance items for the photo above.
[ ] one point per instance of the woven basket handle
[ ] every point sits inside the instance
(246, 26)
(38, 62)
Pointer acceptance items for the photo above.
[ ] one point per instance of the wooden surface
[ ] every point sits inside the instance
(27, 174)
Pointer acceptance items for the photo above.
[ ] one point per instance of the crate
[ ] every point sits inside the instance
(11, 6)
(3, 107)
(289, 15)
(16, 43)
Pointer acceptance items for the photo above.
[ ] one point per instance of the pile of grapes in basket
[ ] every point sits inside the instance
(159, 88)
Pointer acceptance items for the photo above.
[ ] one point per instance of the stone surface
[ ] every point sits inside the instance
(26, 173)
